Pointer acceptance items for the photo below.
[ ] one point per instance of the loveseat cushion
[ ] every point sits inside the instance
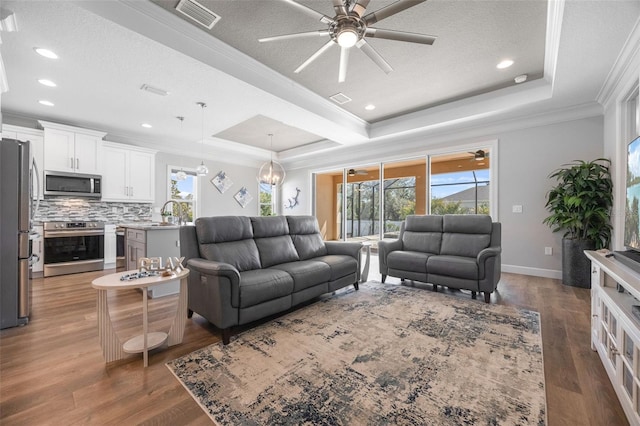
(306, 237)
(453, 266)
(465, 235)
(228, 239)
(262, 285)
(422, 234)
(341, 265)
(276, 250)
(269, 226)
(306, 273)
(413, 261)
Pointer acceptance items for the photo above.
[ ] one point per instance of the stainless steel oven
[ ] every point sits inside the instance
(71, 247)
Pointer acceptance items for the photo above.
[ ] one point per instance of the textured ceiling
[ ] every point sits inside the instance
(109, 49)
(473, 36)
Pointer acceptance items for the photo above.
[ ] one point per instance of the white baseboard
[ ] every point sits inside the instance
(536, 272)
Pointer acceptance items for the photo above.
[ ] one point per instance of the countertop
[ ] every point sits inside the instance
(148, 226)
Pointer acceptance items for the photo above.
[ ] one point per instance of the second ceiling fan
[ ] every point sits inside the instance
(350, 27)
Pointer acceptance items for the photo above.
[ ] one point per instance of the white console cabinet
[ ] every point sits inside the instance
(37, 146)
(615, 331)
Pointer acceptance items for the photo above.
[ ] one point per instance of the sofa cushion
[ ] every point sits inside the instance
(242, 255)
(341, 265)
(422, 234)
(465, 235)
(408, 261)
(220, 229)
(453, 266)
(262, 285)
(275, 250)
(306, 273)
(269, 226)
(306, 237)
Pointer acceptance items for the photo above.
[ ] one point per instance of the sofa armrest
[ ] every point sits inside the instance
(211, 267)
(483, 256)
(344, 247)
(384, 248)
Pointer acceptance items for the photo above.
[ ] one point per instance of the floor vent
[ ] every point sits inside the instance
(340, 98)
(198, 13)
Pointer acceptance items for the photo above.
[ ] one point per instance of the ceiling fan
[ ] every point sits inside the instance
(353, 172)
(479, 155)
(350, 27)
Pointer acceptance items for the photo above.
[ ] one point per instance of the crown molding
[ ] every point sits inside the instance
(624, 69)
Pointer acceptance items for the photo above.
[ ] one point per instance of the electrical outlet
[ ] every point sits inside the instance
(516, 208)
(548, 251)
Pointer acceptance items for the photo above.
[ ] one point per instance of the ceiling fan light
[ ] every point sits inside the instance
(347, 38)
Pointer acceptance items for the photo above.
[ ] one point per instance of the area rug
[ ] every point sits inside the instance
(386, 354)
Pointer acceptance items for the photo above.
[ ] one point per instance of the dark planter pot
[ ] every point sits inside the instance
(576, 267)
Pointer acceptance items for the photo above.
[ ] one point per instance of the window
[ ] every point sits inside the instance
(464, 189)
(183, 192)
(267, 200)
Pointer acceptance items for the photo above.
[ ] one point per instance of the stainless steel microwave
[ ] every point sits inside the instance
(72, 184)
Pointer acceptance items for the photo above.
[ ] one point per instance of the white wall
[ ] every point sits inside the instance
(210, 201)
(527, 157)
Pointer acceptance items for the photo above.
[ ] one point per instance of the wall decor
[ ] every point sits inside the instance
(243, 197)
(293, 201)
(221, 181)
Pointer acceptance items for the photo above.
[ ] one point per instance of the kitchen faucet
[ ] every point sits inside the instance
(180, 211)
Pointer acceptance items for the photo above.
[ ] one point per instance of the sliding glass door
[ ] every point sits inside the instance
(367, 203)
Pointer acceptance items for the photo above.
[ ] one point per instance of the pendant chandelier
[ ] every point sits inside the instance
(202, 170)
(271, 173)
(181, 175)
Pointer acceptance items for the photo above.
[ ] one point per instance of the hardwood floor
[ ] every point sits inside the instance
(52, 370)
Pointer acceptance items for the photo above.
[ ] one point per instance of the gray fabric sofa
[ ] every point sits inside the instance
(456, 251)
(246, 268)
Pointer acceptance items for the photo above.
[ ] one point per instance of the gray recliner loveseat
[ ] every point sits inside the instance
(246, 268)
(456, 251)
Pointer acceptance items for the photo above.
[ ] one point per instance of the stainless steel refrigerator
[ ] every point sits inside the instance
(15, 225)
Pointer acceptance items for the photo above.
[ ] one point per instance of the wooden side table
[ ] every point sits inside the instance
(112, 348)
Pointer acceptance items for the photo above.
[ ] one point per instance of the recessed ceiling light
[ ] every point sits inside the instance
(520, 78)
(44, 102)
(504, 64)
(46, 82)
(147, 125)
(45, 52)
(370, 107)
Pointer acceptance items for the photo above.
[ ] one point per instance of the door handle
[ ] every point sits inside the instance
(71, 162)
(77, 164)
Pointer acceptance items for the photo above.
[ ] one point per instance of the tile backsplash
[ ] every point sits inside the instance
(86, 209)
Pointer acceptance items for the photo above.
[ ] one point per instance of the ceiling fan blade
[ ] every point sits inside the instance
(360, 7)
(340, 8)
(314, 56)
(392, 9)
(323, 18)
(400, 36)
(375, 56)
(344, 62)
(295, 35)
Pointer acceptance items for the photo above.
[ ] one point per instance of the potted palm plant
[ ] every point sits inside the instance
(580, 204)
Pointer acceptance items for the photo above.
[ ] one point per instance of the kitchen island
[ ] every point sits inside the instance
(150, 239)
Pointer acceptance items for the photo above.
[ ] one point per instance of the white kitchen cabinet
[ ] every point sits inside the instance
(128, 173)
(71, 149)
(110, 244)
(36, 137)
(37, 251)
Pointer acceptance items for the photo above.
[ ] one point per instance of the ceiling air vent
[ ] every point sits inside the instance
(198, 13)
(340, 98)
